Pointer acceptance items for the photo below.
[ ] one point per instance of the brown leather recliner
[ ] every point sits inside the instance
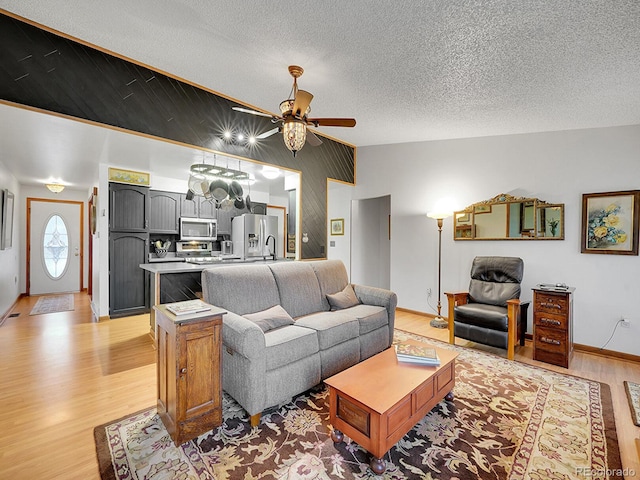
(490, 312)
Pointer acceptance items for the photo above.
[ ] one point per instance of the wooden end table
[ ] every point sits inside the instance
(189, 362)
(379, 400)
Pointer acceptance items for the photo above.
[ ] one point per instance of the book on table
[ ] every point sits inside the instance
(420, 354)
(188, 307)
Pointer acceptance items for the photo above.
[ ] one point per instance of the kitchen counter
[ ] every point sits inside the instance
(181, 267)
(175, 281)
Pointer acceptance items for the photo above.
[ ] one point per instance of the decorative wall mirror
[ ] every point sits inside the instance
(505, 217)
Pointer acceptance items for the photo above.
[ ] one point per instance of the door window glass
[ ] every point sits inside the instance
(55, 247)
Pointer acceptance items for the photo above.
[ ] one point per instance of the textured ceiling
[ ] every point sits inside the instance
(406, 70)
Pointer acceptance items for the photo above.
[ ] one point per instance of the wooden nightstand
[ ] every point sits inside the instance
(553, 325)
(189, 372)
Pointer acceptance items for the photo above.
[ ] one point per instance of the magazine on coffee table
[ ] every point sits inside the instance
(188, 307)
(421, 354)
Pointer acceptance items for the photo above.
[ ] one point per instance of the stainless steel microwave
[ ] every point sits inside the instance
(201, 229)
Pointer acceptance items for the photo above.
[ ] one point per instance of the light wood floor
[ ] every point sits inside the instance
(62, 374)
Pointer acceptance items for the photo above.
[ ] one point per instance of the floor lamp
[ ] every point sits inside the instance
(439, 322)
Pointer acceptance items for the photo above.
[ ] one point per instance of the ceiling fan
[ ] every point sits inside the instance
(294, 117)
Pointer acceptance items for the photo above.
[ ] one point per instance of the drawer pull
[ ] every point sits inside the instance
(550, 321)
(551, 305)
(183, 371)
(550, 341)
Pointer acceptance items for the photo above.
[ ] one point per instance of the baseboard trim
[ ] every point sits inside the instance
(416, 312)
(576, 346)
(606, 353)
(6, 314)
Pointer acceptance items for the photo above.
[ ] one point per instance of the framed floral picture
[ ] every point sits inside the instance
(610, 222)
(337, 226)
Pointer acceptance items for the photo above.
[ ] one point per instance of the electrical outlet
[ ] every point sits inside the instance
(625, 322)
(428, 293)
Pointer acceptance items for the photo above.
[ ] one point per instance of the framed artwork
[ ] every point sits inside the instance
(610, 222)
(7, 220)
(337, 226)
(478, 209)
(128, 176)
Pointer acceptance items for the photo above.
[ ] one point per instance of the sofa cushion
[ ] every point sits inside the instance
(298, 288)
(240, 288)
(344, 299)
(332, 327)
(332, 277)
(370, 317)
(289, 344)
(270, 319)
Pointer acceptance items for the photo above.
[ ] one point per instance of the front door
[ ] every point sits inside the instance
(54, 252)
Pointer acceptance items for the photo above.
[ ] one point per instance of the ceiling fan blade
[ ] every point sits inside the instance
(332, 122)
(269, 133)
(252, 112)
(313, 139)
(301, 103)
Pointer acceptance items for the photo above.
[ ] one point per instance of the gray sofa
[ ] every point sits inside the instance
(263, 369)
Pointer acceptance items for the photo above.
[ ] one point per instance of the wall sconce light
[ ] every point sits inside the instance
(55, 187)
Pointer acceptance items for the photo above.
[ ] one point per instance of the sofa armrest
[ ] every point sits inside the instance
(381, 298)
(242, 336)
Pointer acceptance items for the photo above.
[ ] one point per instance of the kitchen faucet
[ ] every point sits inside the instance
(274, 246)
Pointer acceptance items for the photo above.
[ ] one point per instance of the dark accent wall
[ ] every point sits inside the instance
(43, 70)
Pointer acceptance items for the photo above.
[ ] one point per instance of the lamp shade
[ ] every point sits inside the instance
(439, 215)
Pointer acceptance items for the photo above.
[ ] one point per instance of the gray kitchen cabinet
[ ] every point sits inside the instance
(188, 208)
(128, 208)
(207, 209)
(164, 212)
(197, 207)
(128, 248)
(128, 283)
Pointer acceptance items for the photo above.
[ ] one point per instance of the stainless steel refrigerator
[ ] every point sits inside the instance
(254, 236)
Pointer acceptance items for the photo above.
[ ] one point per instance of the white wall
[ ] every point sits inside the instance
(557, 167)
(339, 206)
(10, 258)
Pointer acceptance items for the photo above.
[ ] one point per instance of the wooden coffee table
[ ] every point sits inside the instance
(377, 401)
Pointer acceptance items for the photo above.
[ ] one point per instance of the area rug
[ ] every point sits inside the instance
(633, 395)
(508, 420)
(53, 304)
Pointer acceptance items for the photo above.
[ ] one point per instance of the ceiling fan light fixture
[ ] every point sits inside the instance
(55, 187)
(294, 133)
(286, 108)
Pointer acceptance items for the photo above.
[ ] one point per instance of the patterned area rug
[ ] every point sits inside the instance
(507, 421)
(633, 395)
(53, 304)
